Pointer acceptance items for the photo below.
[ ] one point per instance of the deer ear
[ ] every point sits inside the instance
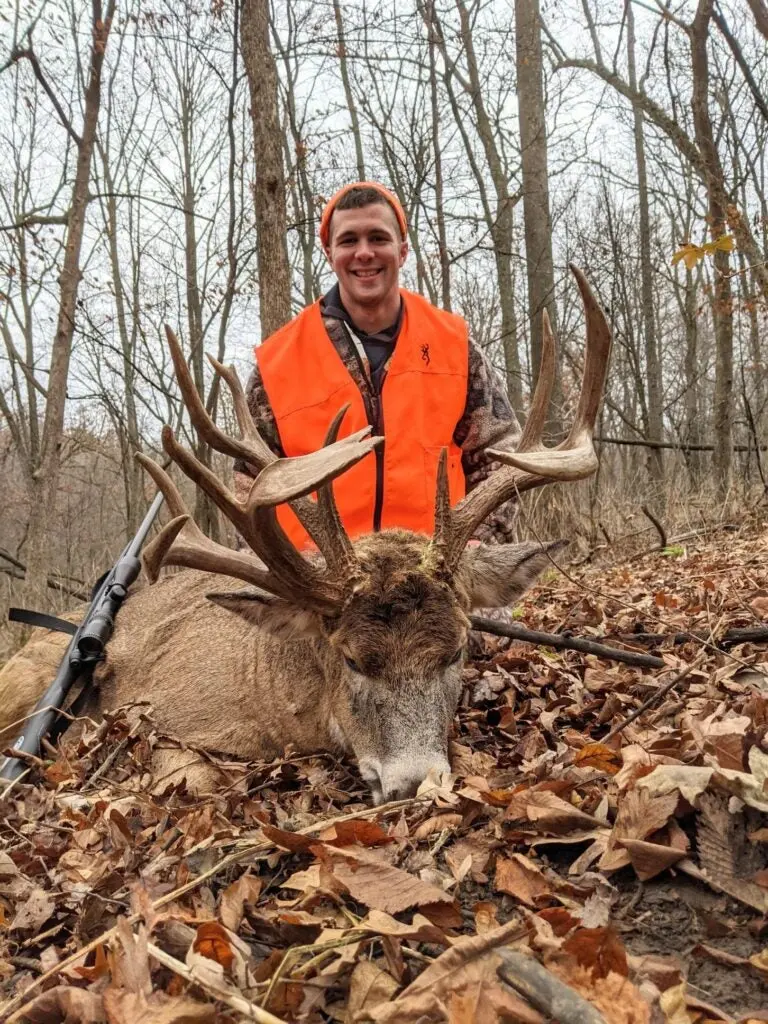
(272, 614)
(495, 575)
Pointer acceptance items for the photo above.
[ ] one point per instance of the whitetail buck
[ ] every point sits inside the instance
(357, 649)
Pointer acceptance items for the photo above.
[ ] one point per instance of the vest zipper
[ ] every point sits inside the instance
(375, 413)
(378, 428)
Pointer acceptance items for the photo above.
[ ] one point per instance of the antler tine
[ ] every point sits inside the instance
(256, 522)
(443, 517)
(256, 454)
(291, 480)
(537, 417)
(575, 458)
(595, 362)
(333, 540)
(181, 542)
(248, 430)
(533, 465)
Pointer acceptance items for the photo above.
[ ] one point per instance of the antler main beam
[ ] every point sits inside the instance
(533, 465)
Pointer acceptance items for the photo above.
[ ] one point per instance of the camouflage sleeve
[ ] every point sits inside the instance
(488, 421)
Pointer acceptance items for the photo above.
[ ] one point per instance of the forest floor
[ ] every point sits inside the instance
(628, 871)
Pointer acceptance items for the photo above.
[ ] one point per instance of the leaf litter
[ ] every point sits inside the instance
(625, 879)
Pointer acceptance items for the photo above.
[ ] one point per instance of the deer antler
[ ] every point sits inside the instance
(533, 465)
(280, 568)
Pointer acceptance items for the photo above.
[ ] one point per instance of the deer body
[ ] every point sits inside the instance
(213, 679)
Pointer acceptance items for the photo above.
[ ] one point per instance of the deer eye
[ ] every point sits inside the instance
(457, 656)
(352, 665)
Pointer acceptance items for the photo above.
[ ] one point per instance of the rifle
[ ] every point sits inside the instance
(85, 649)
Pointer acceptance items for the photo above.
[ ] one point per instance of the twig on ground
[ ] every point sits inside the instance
(224, 993)
(546, 993)
(747, 635)
(568, 643)
(106, 764)
(654, 698)
(660, 528)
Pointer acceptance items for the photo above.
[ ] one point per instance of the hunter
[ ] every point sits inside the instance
(407, 368)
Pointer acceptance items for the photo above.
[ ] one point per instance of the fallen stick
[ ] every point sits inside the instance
(749, 634)
(653, 699)
(532, 636)
(730, 638)
(222, 992)
(546, 993)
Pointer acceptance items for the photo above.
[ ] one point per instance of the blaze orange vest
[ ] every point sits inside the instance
(422, 401)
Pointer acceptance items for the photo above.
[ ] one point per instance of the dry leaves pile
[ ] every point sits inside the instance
(553, 876)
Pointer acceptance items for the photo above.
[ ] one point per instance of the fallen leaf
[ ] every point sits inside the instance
(615, 996)
(519, 877)
(212, 941)
(599, 950)
(597, 755)
(674, 1007)
(650, 859)
(377, 884)
(548, 812)
(32, 914)
(99, 967)
(639, 815)
(368, 987)
(421, 929)
(347, 833)
(246, 889)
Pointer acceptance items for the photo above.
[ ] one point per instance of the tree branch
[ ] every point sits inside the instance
(560, 642)
(30, 55)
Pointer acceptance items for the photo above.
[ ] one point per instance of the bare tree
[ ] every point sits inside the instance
(269, 182)
(652, 359)
(718, 218)
(533, 141)
(43, 449)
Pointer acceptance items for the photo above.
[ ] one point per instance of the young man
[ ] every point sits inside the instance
(407, 368)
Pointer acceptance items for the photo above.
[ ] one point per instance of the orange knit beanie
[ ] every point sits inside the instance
(330, 206)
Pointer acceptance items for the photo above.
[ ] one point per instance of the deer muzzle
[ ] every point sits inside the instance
(398, 777)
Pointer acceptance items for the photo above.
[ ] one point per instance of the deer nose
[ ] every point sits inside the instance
(400, 780)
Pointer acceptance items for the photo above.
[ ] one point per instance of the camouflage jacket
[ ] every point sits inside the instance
(488, 420)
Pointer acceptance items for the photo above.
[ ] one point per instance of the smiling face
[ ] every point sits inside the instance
(366, 253)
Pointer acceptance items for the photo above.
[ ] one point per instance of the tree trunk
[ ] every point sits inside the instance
(652, 361)
(133, 476)
(721, 299)
(45, 478)
(760, 12)
(442, 238)
(693, 432)
(499, 222)
(348, 94)
(269, 185)
(533, 141)
(502, 227)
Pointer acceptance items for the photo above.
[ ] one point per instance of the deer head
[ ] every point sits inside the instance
(387, 617)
